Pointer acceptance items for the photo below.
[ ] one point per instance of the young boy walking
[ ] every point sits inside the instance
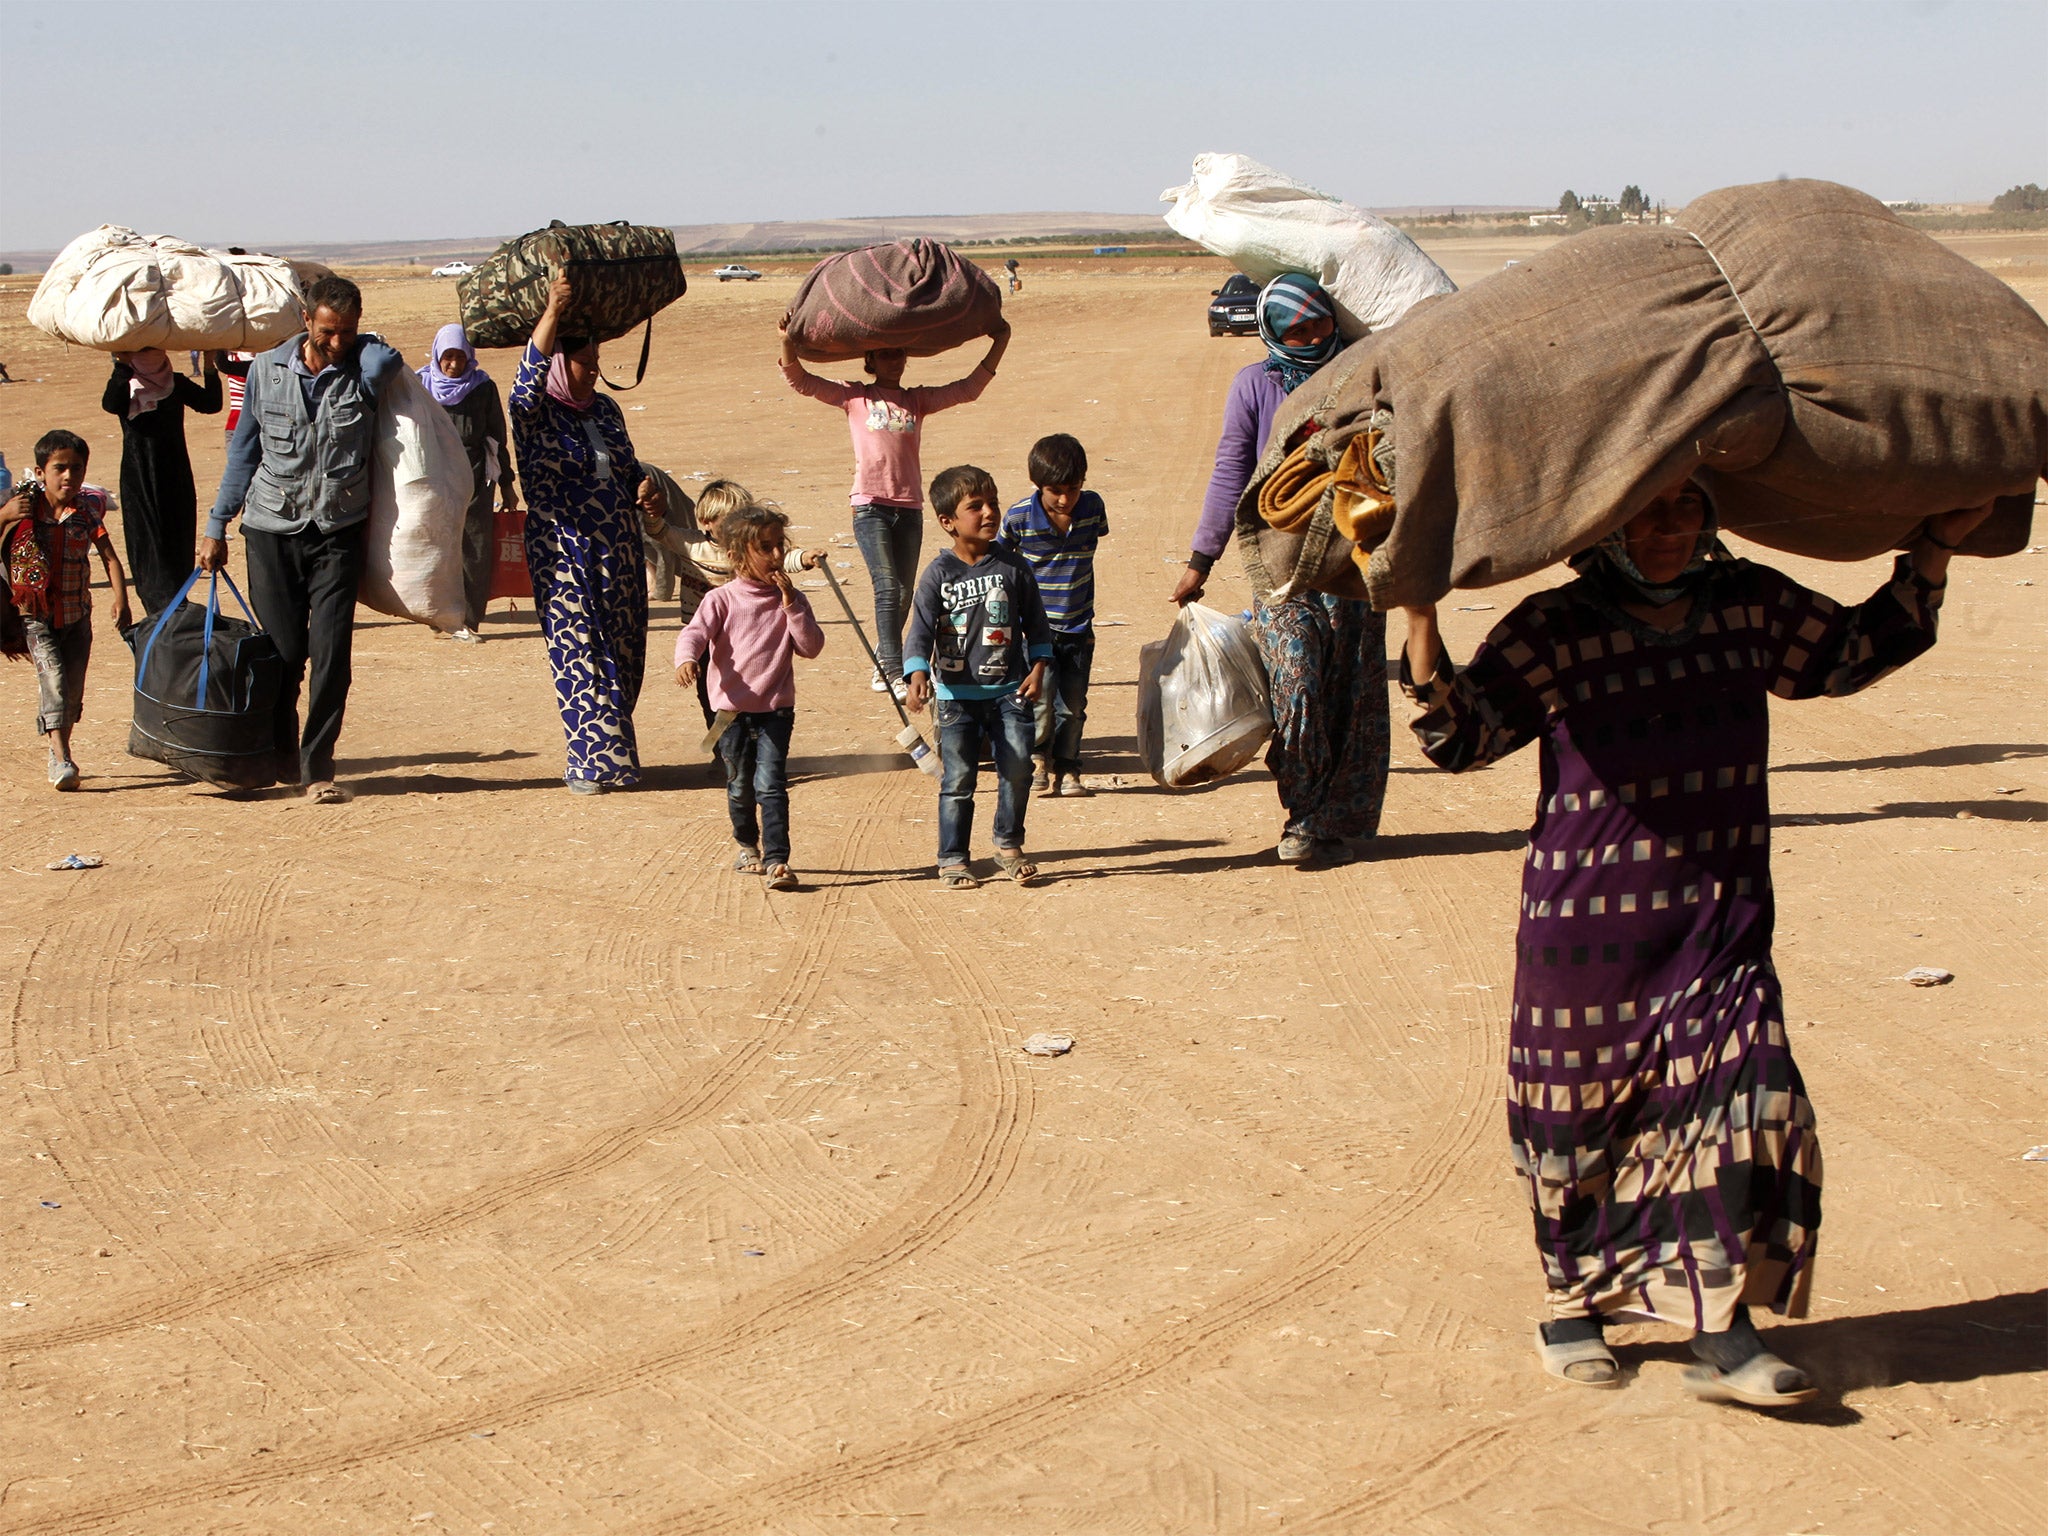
(48, 531)
(978, 637)
(1055, 529)
(745, 633)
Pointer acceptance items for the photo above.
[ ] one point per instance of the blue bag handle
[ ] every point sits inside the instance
(214, 579)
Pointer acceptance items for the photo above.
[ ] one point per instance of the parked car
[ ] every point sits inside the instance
(1234, 308)
(454, 269)
(735, 273)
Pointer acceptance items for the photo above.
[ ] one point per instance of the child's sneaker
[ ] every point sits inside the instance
(1071, 787)
(1041, 778)
(467, 636)
(63, 774)
(877, 684)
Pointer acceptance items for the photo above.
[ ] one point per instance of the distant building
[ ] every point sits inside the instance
(1538, 220)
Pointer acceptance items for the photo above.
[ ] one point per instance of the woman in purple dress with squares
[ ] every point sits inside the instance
(1653, 1104)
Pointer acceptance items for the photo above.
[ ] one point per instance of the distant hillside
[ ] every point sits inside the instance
(720, 239)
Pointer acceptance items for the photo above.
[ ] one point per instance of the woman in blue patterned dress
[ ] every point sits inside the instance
(1654, 1108)
(583, 547)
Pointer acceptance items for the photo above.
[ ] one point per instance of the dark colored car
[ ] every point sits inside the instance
(1234, 308)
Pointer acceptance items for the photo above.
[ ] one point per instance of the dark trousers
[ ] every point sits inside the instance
(755, 750)
(1006, 725)
(303, 587)
(479, 559)
(889, 540)
(1063, 702)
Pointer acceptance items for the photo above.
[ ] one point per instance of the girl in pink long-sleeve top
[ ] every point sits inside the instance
(745, 636)
(887, 421)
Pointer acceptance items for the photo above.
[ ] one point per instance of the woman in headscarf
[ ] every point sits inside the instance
(470, 395)
(159, 506)
(1653, 1105)
(583, 547)
(1326, 657)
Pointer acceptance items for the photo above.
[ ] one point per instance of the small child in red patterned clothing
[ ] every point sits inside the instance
(48, 530)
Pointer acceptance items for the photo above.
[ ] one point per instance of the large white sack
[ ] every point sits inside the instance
(117, 291)
(419, 496)
(1266, 223)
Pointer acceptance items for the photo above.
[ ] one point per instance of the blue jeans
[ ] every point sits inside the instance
(1006, 724)
(755, 749)
(890, 539)
(1063, 704)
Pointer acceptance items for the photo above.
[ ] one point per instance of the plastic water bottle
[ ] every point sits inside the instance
(914, 743)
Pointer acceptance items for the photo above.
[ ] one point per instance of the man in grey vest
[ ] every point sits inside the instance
(299, 473)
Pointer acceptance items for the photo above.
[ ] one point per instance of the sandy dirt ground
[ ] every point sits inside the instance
(473, 1157)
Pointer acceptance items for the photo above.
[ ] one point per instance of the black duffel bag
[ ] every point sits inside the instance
(206, 691)
(620, 275)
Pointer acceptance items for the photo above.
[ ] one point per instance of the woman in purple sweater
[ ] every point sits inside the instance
(1326, 657)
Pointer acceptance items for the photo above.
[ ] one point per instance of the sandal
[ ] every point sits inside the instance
(956, 877)
(748, 863)
(1011, 862)
(1762, 1381)
(780, 877)
(326, 793)
(1583, 1363)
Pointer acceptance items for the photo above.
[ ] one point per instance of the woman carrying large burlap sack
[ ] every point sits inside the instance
(1326, 657)
(887, 422)
(159, 502)
(1654, 1108)
(583, 547)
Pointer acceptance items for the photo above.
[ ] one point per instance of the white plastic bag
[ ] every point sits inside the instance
(419, 498)
(1267, 223)
(1203, 709)
(116, 291)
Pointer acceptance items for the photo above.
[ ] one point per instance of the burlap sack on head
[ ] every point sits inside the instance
(916, 296)
(1834, 376)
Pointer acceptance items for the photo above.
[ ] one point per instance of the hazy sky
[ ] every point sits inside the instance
(285, 122)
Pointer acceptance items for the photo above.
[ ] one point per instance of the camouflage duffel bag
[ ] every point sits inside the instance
(620, 275)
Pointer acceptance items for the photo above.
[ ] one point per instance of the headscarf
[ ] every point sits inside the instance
(451, 392)
(1608, 566)
(1286, 301)
(558, 376)
(150, 379)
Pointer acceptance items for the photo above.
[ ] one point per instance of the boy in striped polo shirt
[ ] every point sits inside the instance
(1055, 530)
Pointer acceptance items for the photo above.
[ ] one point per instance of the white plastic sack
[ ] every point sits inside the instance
(116, 291)
(1203, 709)
(419, 498)
(1266, 224)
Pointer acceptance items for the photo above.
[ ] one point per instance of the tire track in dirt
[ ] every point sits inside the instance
(1299, 1277)
(701, 1097)
(94, 944)
(981, 1151)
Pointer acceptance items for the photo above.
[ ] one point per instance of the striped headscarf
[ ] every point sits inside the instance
(1286, 301)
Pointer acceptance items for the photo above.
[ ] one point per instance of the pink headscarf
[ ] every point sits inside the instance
(151, 380)
(558, 384)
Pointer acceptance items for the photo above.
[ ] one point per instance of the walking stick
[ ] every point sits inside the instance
(909, 738)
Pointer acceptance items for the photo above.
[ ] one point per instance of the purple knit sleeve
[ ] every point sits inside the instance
(1248, 414)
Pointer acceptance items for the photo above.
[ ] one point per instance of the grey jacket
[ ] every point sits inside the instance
(294, 464)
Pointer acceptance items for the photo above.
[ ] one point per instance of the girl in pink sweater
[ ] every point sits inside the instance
(887, 421)
(745, 635)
